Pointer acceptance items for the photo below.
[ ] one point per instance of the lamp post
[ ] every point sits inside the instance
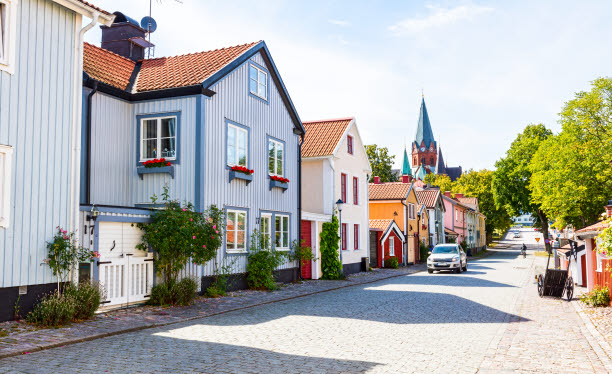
(339, 204)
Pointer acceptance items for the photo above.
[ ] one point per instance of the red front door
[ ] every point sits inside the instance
(583, 270)
(307, 238)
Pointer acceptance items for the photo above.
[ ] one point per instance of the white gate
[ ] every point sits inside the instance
(126, 279)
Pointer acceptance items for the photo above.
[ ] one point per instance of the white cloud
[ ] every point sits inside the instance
(438, 17)
(338, 22)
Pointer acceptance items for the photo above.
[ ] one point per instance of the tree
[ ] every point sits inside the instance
(479, 184)
(439, 180)
(381, 162)
(512, 178)
(571, 173)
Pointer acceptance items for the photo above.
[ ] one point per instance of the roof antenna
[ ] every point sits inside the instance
(149, 24)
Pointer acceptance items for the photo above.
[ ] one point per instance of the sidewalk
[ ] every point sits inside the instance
(24, 338)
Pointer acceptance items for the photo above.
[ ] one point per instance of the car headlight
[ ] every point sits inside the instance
(429, 259)
(455, 259)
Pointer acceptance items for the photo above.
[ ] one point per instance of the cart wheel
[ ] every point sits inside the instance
(540, 285)
(569, 289)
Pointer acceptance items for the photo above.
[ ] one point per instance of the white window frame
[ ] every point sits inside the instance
(236, 231)
(276, 145)
(282, 232)
(598, 259)
(239, 130)
(411, 211)
(6, 156)
(8, 35)
(265, 83)
(158, 138)
(391, 242)
(268, 217)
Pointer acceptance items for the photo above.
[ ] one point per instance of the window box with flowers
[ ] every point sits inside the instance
(241, 172)
(155, 166)
(279, 182)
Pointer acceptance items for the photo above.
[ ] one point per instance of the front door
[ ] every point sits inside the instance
(307, 238)
(373, 249)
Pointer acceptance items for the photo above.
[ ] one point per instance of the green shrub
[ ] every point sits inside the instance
(261, 263)
(182, 292)
(87, 299)
(330, 260)
(424, 252)
(53, 310)
(598, 296)
(215, 291)
(391, 263)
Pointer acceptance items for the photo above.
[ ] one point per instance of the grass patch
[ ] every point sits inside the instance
(3, 333)
(480, 254)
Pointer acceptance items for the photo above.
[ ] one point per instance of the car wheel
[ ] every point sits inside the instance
(430, 271)
(465, 267)
(458, 270)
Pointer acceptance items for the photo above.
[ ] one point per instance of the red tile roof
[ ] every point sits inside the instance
(428, 197)
(158, 73)
(471, 202)
(322, 137)
(107, 67)
(380, 224)
(388, 191)
(599, 226)
(449, 231)
(94, 7)
(185, 70)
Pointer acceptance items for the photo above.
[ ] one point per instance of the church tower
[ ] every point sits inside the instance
(424, 147)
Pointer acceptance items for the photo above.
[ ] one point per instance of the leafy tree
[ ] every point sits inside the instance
(513, 175)
(479, 184)
(571, 173)
(439, 180)
(381, 162)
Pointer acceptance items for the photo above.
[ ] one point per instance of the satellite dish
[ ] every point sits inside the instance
(148, 23)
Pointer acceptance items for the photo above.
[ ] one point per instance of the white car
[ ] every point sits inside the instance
(447, 257)
(517, 234)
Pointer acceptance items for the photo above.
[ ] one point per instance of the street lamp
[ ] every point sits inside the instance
(339, 204)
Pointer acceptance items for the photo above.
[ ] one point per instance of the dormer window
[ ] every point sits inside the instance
(8, 28)
(349, 144)
(258, 81)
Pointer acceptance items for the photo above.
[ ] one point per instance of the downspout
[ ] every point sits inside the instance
(88, 150)
(405, 231)
(76, 126)
(300, 200)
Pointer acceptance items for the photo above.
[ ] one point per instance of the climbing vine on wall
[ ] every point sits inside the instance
(330, 262)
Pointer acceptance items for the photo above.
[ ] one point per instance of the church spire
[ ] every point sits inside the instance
(424, 132)
(406, 164)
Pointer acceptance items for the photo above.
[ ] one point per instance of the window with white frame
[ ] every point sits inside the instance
(237, 145)
(598, 260)
(6, 153)
(258, 82)
(276, 157)
(8, 29)
(158, 138)
(411, 211)
(265, 227)
(391, 246)
(236, 225)
(281, 231)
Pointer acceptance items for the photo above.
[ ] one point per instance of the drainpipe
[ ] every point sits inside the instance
(405, 232)
(75, 132)
(300, 200)
(88, 150)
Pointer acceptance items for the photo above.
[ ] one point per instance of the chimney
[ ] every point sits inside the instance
(406, 178)
(125, 37)
(376, 180)
(609, 208)
(458, 195)
(447, 194)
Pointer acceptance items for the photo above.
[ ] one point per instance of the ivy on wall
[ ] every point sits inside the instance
(330, 262)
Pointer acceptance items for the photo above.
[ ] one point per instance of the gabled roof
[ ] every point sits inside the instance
(424, 132)
(107, 67)
(454, 172)
(471, 202)
(386, 225)
(322, 137)
(450, 232)
(428, 197)
(380, 224)
(88, 10)
(94, 7)
(389, 191)
(599, 226)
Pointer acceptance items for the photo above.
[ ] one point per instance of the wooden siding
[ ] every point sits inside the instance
(232, 102)
(35, 118)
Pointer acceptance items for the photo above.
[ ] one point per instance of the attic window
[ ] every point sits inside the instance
(349, 143)
(8, 27)
(258, 81)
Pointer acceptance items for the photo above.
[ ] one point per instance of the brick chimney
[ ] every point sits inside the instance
(125, 37)
(609, 208)
(458, 195)
(406, 178)
(376, 180)
(447, 194)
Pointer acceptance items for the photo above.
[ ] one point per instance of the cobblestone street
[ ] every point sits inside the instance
(489, 319)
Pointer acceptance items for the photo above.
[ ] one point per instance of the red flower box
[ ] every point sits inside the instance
(279, 179)
(242, 169)
(156, 163)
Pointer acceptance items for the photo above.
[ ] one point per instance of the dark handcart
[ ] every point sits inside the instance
(556, 282)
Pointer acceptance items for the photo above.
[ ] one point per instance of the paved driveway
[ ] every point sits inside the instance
(486, 320)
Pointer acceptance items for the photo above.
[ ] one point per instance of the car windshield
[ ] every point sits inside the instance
(445, 249)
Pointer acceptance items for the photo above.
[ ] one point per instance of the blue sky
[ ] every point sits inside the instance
(487, 68)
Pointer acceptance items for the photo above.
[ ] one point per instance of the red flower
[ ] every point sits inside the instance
(242, 169)
(168, 164)
(279, 179)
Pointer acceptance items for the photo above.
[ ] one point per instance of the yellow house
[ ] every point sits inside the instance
(398, 201)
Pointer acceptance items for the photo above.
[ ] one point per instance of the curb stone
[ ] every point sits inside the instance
(597, 341)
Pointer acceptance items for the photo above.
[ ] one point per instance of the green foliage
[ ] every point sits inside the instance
(424, 251)
(64, 252)
(381, 163)
(391, 263)
(464, 245)
(261, 263)
(604, 240)
(330, 260)
(182, 292)
(220, 282)
(572, 177)
(598, 296)
(439, 180)
(300, 253)
(87, 298)
(54, 310)
(179, 234)
(479, 184)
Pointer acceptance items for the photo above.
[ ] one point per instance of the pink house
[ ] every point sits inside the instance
(455, 217)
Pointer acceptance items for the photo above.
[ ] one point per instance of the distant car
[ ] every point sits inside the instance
(517, 234)
(536, 229)
(447, 257)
